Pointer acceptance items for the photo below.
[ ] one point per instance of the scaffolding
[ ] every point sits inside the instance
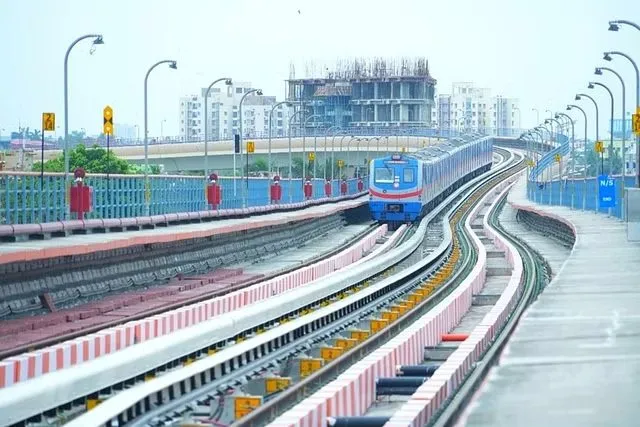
(365, 92)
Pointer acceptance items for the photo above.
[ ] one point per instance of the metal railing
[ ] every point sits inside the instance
(575, 192)
(25, 198)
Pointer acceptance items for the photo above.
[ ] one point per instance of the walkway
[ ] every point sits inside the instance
(574, 358)
(86, 243)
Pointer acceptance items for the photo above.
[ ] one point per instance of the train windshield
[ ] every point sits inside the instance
(383, 174)
(408, 174)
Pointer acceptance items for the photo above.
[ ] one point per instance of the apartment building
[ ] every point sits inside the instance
(472, 109)
(223, 114)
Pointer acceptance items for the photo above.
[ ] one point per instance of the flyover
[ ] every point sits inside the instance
(189, 156)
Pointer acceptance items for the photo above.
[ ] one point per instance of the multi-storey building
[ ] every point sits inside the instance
(468, 108)
(223, 111)
(375, 93)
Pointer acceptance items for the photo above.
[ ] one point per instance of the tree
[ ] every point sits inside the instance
(260, 165)
(594, 162)
(92, 160)
(296, 167)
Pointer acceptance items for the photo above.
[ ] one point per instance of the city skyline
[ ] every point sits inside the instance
(256, 42)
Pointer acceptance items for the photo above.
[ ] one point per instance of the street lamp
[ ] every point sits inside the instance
(607, 57)
(348, 153)
(333, 157)
(245, 200)
(598, 71)
(315, 143)
(276, 105)
(592, 86)
(97, 39)
(338, 128)
(147, 190)
(162, 122)
(595, 104)
(615, 25)
(341, 140)
(542, 127)
(537, 114)
(228, 82)
(291, 156)
(550, 123)
(584, 192)
(358, 140)
(572, 156)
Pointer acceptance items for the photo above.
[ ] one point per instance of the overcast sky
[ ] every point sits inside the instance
(541, 51)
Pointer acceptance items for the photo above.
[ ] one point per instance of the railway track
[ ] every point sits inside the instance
(201, 266)
(415, 290)
(536, 274)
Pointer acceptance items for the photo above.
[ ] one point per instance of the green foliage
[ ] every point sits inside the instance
(260, 165)
(93, 160)
(594, 162)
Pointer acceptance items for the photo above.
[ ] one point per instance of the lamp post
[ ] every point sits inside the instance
(348, 153)
(584, 191)
(359, 140)
(578, 98)
(592, 86)
(519, 118)
(147, 190)
(333, 158)
(598, 71)
(572, 157)
(290, 155)
(607, 57)
(550, 123)
(315, 143)
(615, 25)
(245, 199)
(162, 122)
(228, 82)
(537, 114)
(276, 105)
(558, 129)
(97, 39)
(326, 133)
(342, 139)
(377, 138)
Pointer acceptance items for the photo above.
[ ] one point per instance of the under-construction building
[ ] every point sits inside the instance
(366, 93)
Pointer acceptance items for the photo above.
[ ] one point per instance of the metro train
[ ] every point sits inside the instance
(404, 187)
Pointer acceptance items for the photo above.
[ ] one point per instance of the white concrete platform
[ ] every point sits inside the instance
(574, 359)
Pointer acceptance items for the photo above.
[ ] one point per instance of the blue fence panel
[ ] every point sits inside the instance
(585, 194)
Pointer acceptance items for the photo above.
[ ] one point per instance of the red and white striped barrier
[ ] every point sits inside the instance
(338, 399)
(31, 365)
(430, 396)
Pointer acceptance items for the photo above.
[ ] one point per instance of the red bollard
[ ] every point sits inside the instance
(80, 195)
(343, 187)
(275, 190)
(308, 189)
(360, 185)
(214, 192)
(327, 188)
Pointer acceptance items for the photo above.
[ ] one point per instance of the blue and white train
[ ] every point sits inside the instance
(405, 187)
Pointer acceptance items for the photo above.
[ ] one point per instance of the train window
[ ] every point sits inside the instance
(383, 175)
(408, 175)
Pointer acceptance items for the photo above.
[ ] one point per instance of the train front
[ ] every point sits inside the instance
(395, 190)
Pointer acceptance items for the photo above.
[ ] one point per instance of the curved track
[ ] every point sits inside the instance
(447, 255)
